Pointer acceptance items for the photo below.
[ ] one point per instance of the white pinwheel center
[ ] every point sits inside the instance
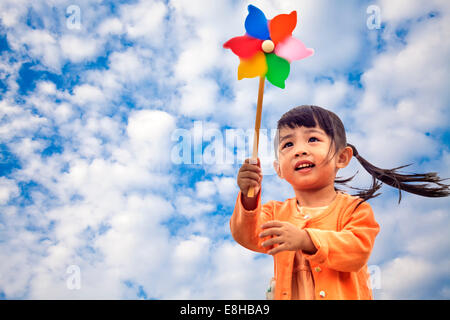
(268, 46)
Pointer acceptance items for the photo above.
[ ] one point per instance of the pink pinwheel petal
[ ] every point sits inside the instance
(293, 49)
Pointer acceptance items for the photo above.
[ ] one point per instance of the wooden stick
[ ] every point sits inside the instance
(254, 159)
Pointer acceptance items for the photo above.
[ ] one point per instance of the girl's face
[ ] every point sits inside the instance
(310, 146)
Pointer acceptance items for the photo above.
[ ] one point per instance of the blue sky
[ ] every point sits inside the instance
(93, 99)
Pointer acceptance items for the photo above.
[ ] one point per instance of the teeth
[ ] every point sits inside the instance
(304, 166)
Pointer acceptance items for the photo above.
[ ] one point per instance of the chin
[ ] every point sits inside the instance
(308, 186)
(305, 186)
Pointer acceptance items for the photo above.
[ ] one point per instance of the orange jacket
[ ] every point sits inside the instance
(343, 236)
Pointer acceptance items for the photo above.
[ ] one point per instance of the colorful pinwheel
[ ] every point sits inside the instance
(266, 51)
(268, 48)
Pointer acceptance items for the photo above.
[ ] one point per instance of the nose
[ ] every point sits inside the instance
(300, 152)
(301, 149)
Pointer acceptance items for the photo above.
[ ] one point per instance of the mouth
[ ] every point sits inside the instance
(304, 166)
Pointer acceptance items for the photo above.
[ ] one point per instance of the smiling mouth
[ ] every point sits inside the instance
(304, 166)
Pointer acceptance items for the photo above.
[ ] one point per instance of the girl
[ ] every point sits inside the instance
(321, 240)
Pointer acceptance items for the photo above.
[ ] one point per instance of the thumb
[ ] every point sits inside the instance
(256, 161)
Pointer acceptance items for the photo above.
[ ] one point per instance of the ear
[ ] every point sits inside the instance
(276, 166)
(344, 157)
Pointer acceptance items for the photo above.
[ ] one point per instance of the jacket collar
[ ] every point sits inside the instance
(292, 205)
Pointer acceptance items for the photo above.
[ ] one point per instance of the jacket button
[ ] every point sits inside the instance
(322, 294)
(317, 269)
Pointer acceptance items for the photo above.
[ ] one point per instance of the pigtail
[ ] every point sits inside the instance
(364, 194)
(400, 181)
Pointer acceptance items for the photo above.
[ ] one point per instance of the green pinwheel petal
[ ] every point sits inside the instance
(278, 70)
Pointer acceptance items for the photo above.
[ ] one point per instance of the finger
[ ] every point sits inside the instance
(250, 175)
(255, 162)
(252, 161)
(272, 241)
(279, 248)
(271, 224)
(247, 183)
(250, 167)
(271, 232)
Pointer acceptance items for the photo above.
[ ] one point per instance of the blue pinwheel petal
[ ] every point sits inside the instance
(256, 24)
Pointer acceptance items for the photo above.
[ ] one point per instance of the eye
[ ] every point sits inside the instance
(313, 138)
(287, 144)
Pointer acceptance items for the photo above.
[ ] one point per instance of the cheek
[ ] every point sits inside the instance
(284, 169)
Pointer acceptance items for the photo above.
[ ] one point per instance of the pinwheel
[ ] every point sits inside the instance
(266, 51)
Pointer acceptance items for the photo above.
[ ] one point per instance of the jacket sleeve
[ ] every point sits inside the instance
(349, 249)
(245, 225)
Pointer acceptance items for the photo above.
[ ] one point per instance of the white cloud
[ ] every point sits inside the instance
(21, 123)
(398, 11)
(198, 98)
(78, 49)
(63, 112)
(43, 46)
(110, 26)
(205, 189)
(191, 208)
(130, 65)
(88, 94)
(238, 275)
(26, 147)
(199, 55)
(331, 94)
(8, 190)
(226, 188)
(410, 277)
(190, 255)
(150, 136)
(10, 12)
(144, 19)
(46, 87)
(16, 270)
(150, 125)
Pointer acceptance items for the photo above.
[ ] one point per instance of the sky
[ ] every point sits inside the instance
(123, 127)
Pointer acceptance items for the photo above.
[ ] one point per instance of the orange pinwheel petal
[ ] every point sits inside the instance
(281, 26)
(254, 67)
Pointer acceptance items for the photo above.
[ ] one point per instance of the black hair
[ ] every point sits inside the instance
(313, 116)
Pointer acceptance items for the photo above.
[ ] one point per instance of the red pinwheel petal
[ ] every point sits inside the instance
(244, 47)
(281, 26)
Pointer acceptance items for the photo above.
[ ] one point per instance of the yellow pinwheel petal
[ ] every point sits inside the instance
(253, 67)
